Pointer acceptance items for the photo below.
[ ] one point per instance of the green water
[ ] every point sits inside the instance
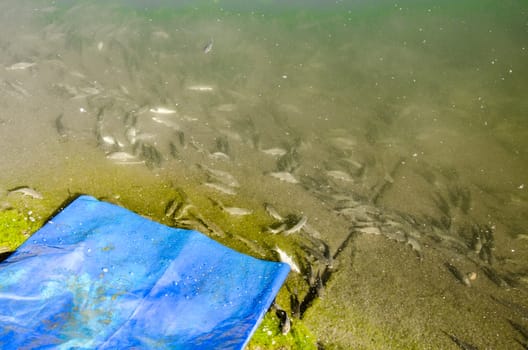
(404, 126)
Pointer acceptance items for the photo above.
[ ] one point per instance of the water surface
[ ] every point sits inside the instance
(398, 130)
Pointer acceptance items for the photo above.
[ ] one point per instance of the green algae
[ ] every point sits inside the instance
(269, 337)
(15, 228)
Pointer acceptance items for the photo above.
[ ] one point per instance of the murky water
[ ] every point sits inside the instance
(390, 138)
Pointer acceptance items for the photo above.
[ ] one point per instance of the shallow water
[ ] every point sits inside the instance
(398, 130)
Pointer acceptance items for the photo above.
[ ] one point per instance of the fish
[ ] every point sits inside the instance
(461, 344)
(276, 228)
(285, 258)
(272, 212)
(339, 175)
(121, 157)
(59, 126)
(109, 140)
(462, 278)
(162, 110)
(201, 88)
(227, 107)
(284, 176)
(219, 156)
(285, 323)
(167, 122)
(234, 211)
(21, 66)
(221, 188)
(275, 151)
(298, 226)
(27, 191)
(221, 176)
(207, 48)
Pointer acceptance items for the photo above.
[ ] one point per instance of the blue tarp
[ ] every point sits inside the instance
(98, 276)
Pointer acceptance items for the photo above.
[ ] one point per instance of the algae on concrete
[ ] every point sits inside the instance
(15, 228)
(269, 337)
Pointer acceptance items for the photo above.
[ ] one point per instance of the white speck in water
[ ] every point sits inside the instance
(284, 76)
(521, 186)
(104, 269)
(82, 110)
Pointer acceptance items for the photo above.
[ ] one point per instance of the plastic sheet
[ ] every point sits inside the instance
(99, 276)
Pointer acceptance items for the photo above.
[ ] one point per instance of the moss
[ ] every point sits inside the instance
(269, 337)
(15, 228)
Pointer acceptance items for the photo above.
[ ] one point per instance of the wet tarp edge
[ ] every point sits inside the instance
(99, 276)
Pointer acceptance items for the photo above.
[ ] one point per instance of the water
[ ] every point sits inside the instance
(398, 130)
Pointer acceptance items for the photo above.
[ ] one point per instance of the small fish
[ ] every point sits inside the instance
(272, 212)
(201, 88)
(462, 278)
(227, 107)
(123, 158)
(298, 226)
(235, 211)
(219, 155)
(172, 207)
(276, 228)
(416, 246)
(284, 176)
(285, 258)
(221, 188)
(109, 140)
(221, 176)
(21, 66)
(27, 191)
(461, 344)
(369, 230)
(167, 122)
(339, 175)
(285, 323)
(162, 110)
(59, 126)
(207, 48)
(275, 151)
